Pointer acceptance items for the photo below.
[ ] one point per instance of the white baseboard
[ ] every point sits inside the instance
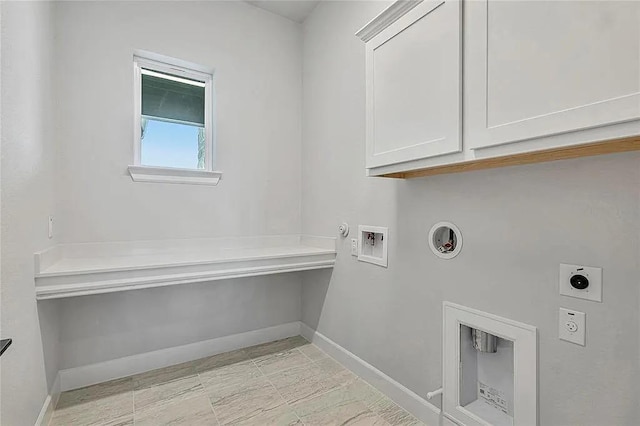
(407, 399)
(77, 377)
(50, 403)
(449, 422)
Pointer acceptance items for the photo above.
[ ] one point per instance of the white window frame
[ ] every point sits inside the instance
(163, 64)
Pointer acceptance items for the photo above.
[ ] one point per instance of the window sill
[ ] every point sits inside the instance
(172, 175)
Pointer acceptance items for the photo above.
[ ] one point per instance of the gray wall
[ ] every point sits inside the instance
(518, 224)
(110, 326)
(27, 199)
(258, 81)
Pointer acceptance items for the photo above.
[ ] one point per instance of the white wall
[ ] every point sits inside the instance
(518, 225)
(27, 200)
(257, 58)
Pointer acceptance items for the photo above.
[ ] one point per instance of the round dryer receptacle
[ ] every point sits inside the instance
(445, 240)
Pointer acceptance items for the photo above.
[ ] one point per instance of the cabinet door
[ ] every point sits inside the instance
(414, 85)
(540, 68)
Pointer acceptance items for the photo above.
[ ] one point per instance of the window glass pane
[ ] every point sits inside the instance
(173, 98)
(171, 144)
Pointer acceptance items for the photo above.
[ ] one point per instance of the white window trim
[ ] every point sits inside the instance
(142, 173)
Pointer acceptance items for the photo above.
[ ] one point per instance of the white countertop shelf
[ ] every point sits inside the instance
(70, 270)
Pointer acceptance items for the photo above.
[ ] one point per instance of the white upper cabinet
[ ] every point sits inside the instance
(413, 66)
(541, 68)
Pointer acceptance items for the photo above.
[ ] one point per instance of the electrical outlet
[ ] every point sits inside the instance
(571, 326)
(354, 247)
(50, 227)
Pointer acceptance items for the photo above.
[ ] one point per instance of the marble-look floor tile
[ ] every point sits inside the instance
(162, 375)
(323, 402)
(94, 419)
(270, 364)
(312, 351)
(364, 392)
(220, 360)
(275, 347)
(393, 414)
(113, 410)
(191, 412)
(337, 407)
(126, 420)
(330, 366)
(344, 377)
(302, 383)
(156, 397)
(282, 416)
(109, 404)
(243, 403)
(230, 375)
(348, 415)
(287, 382)
(95, 392)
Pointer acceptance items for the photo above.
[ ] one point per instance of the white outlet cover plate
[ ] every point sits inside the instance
(572, 326)
(593, 274)
(354, 247)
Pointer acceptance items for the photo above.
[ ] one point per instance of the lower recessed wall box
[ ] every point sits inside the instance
(372, 244)
(489, 370)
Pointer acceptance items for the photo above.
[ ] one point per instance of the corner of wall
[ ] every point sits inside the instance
(50, 403)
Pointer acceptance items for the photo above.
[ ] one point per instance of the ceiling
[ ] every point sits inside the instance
(296, 10)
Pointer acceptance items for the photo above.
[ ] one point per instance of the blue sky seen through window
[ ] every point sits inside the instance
(170, 145)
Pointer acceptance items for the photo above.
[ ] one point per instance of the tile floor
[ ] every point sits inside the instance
(287, 382)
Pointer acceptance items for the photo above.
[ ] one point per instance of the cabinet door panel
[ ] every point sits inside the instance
(413, 86)
(539, 68)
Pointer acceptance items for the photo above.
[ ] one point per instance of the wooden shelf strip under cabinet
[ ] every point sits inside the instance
(627, 144)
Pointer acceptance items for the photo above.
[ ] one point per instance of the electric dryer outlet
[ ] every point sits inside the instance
(583, 282)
